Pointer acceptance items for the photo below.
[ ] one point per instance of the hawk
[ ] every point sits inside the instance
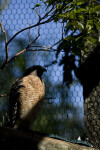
(26, 97)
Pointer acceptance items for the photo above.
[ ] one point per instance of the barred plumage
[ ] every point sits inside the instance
(26, 97)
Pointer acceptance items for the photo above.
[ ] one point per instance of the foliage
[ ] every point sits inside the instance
(81, 19)
(3, 4)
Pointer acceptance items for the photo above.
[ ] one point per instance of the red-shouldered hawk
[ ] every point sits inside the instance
(26, 97)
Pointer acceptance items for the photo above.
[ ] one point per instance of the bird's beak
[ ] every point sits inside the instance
(45, 70)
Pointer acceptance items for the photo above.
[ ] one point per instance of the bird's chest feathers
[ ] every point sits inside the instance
(33, 92)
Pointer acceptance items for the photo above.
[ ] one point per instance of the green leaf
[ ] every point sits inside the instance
(78, 38)
(37, 5)
(81, 10)
(81, 25)
(94, 40)
(91, 43)
(97, 8)
(78, 15)
(79, 3)
(50, 2)
(88, 27)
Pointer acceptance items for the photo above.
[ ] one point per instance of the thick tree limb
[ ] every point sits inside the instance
(17, 140)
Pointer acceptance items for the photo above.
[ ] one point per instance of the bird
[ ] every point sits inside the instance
(26, 97)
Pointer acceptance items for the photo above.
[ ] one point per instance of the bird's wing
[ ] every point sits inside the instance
(14, 101)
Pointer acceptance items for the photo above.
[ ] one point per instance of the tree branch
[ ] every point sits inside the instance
(14, 139)
(26, 49)
(17, 54)
(29, 36)
(6, 47)
(43, 48)
(4, 95)
(29, 44)
(54, 44)
(37, 24)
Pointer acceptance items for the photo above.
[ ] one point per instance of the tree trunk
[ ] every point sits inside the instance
(17, 140)
(89, 75)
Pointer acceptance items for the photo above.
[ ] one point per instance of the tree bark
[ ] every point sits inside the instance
(17, 140)
(89, 75)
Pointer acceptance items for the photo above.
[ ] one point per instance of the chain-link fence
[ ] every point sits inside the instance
(63, 113)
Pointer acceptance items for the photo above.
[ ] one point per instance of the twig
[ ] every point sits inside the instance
(63, 31)
(50, 98)
(6, 47)
(36, 37)
(54, 44)
(6, 63)
(27, 49)
(17, 54)
(37, 24)
(32, 42)
(45, 48)
(48, 102)
(29, 36)
(4, 95)
(46, 15)
(38, 46)
(38, 13)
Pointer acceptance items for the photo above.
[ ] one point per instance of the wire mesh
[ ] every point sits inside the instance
(64, 115)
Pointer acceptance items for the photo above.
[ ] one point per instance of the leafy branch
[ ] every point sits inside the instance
(48, 17)
(79, 17)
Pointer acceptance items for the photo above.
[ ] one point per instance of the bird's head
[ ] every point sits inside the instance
(35, 70)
